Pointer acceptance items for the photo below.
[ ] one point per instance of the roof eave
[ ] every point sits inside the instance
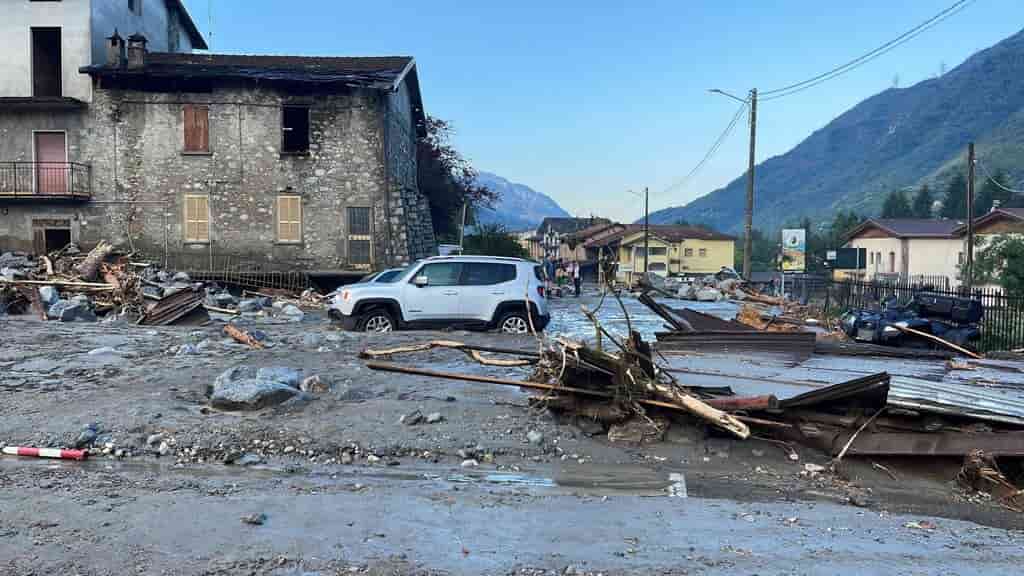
(198, 42)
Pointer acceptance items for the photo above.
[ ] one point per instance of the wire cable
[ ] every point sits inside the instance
(711, 151)
(988, 176)
(867, 57)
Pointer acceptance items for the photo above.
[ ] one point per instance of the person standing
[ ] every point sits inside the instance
(576, 277)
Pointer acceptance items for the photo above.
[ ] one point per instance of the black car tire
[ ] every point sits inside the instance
(376, 320)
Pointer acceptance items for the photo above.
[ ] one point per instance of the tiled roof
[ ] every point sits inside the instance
(369, 71)
(668, 232)
(910, 227)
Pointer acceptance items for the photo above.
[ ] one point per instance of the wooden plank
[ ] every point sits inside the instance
(944, 343)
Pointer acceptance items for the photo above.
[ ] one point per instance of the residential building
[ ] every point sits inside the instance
(910, 248)
(274, 161)
(573, 247)
(673, 250)
(530, 242)
(552, 229)
(998, 222)
(46, 171)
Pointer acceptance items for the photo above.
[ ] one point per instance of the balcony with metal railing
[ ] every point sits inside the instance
(45, 181)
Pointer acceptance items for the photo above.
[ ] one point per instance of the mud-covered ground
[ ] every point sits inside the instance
(344, 487)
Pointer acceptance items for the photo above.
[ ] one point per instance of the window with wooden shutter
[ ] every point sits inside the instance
(197, 128)
(197, 218)
(359, 236)
(289, 219)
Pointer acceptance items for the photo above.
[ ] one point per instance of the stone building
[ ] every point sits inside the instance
(276, 162)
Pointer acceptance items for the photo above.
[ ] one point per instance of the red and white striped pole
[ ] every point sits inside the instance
(46, 453)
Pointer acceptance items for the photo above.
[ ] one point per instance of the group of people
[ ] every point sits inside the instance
(560, 274)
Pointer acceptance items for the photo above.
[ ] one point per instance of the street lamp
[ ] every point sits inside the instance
(748, 223)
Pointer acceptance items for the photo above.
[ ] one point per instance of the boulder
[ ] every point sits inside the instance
(708, 295)
(251, 394)
(282, 374)
(78, 309)
(252, 305)
(292, 313)
(48, 296)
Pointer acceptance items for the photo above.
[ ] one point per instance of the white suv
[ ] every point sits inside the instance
(446, 291)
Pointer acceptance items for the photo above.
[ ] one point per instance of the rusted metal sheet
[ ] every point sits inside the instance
(930, 444)
(173, 308)
(701, 321)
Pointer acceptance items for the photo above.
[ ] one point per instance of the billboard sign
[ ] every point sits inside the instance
(794, 250)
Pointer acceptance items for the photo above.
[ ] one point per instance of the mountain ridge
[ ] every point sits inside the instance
(896, 138)
(518, 206)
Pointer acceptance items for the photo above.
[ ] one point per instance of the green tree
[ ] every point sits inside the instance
(447, 179)
(993, 193)
(896, 206)
(954, 204)
(922, 206)
(763, 255)
(1000, 261)
(842, 223)
(493, 240)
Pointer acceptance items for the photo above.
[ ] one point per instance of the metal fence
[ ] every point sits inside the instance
(45, 179)
(1002, 326)
(237, 271)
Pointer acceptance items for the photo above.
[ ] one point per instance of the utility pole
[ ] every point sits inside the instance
(969, 260)
(748, 223)
(646, 231)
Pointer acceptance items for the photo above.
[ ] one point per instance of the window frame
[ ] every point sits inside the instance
(185, 108)
(466, 266)
(687, 252)
(280, 222)
(702, 253)
(420, 271)
(350, 236)
(33, 30)
(284, 130)
(185, 234)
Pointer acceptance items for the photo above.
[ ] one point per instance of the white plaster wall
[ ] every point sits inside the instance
(17, 20)
(935, 256)
(883, 246)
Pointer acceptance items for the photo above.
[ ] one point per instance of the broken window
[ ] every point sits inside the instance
(289, 219)
(295, 129)
(46, 67)
(359, 250)
(197, 218)
(197, 128)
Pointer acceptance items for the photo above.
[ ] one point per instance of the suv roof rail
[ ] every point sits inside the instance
(477, 256)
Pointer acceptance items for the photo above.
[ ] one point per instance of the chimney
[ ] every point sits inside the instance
(115, 50)
(136, 51)
(995, 205)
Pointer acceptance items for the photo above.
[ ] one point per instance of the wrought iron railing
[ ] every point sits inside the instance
(45, 180)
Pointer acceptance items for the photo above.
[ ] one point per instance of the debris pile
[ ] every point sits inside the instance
(70, 286)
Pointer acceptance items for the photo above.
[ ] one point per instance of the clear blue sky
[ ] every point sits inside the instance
(584, 99)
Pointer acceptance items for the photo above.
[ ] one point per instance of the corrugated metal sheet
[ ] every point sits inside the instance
(1006, 406)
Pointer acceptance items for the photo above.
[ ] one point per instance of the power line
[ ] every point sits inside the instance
(711, 151)
(867, 57)
(989, 177)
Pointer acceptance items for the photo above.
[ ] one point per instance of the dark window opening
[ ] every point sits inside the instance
(135, 6)
(46, 62)
(56, 238)
(295, 130)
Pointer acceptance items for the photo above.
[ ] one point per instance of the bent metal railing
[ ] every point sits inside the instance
(45, 180)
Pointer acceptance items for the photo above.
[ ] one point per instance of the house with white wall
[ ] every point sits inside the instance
(910, 248)
(45, 174)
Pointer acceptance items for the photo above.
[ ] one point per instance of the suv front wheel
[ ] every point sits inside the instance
(514, 323)
(376, 320)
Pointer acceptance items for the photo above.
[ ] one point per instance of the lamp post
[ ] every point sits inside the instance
(748, 222)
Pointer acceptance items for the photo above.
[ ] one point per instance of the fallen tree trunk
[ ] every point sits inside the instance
(692, 405)
(88, 268)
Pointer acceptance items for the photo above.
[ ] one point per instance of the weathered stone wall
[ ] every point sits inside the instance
(412, 231)
(362, 154)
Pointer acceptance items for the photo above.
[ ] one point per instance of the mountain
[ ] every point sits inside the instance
(518, 207)
(897, 138)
